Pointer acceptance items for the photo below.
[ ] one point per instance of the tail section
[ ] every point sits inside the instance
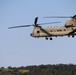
(71, 22)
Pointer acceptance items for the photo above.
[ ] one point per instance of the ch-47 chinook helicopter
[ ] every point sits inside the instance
(68, 29)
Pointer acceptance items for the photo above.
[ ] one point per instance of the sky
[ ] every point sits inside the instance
(18, 48)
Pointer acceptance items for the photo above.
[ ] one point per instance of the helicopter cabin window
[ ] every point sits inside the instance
(50, 30)
(64, 29)
(38, 31)
(60, 30)
(57, 30)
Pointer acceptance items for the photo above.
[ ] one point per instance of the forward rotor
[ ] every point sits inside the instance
(35, 24)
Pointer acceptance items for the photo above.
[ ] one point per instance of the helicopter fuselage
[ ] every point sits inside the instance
(52, 31)
(68, 29)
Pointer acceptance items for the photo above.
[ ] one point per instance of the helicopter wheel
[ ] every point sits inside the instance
(51, 38)
(68, 35)
(72, 36)
(46, 38)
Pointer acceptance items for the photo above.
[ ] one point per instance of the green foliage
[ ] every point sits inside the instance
(23, 71)
(61, 69)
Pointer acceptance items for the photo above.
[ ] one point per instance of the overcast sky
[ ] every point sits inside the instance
(18, 48)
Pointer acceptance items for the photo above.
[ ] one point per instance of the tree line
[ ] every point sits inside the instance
(58, 69)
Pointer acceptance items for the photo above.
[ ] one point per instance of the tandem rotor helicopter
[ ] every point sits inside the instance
(68, 29)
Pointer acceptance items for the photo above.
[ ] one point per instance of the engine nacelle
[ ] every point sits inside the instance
(71, 23)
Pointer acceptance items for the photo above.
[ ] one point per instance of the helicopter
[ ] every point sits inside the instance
(68, 29)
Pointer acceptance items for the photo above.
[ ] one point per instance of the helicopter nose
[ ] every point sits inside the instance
(31, 34)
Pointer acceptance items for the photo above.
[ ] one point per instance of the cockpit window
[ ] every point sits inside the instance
(38, 31)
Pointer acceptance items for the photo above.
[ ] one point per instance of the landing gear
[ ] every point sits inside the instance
(47, 38)
(72, 36)
(68, 35)
(51, 38)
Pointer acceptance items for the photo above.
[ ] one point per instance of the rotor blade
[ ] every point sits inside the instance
(36, 19)
(20, 26)
(59, 17)
(48, 23)
(74, 16)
